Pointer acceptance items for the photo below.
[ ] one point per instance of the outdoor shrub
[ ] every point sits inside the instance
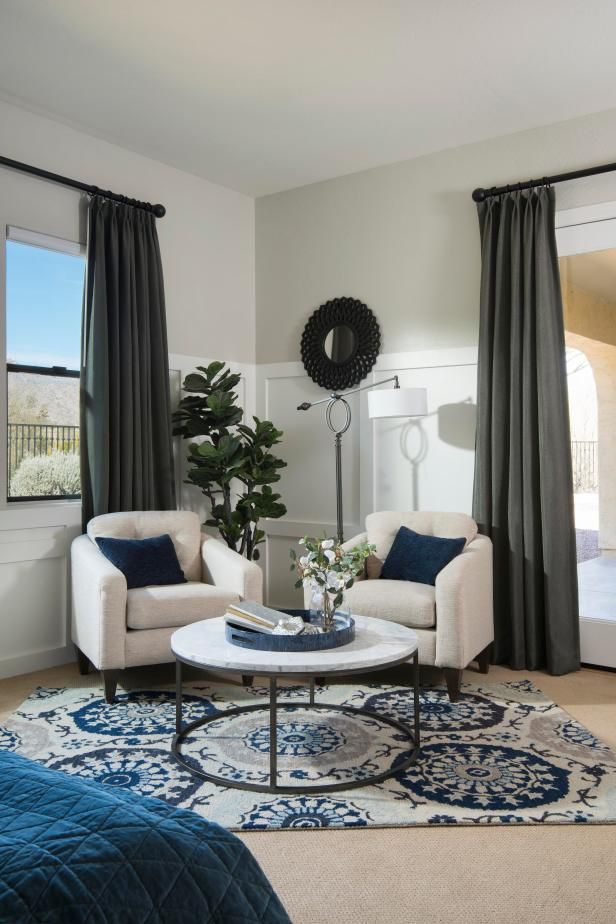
(44, 476)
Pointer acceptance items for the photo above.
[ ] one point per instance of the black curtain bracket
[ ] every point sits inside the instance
(157, 210)
(480, 194)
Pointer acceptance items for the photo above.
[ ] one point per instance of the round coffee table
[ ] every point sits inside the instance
(377, 644)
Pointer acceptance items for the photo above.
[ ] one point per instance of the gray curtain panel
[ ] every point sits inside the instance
(126, 454)
(523, 494)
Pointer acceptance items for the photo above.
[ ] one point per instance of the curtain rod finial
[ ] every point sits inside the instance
(479, 194)
(159, 210)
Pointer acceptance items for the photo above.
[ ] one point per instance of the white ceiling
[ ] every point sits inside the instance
(265, 95)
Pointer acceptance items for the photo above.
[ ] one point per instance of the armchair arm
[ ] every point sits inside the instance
(223, 567)
(356, 540)
(464, 605)
(99, 605)
(347, 546)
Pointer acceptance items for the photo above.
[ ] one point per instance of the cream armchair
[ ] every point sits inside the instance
(454, 619)
(113, 627)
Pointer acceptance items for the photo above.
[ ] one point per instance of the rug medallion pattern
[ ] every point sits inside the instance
(504, 754)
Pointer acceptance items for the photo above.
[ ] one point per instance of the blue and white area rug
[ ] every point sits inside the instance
(503, 754)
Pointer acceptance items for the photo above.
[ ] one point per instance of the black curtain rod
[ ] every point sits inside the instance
(158, 210)
(479, 194)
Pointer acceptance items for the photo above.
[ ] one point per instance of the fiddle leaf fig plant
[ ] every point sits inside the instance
(232, 462)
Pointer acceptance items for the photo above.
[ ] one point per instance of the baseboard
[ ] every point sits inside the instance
(599, 667)
(37, 661)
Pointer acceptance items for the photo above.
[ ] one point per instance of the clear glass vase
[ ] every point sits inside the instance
(322, 609)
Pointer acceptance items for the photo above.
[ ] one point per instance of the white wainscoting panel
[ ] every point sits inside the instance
(427, 463)
(387, 464)
(308, 484)
(308, 481)
(34, 585)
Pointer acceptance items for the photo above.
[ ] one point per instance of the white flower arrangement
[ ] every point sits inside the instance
(328, 567)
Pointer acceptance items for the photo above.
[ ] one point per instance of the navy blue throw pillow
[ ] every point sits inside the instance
(414, 557)
(143, 561)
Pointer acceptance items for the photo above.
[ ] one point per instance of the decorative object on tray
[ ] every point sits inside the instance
(252, 625)
(321, 606)
(299, 630)
(230, 453)
(340, 343)
(329, 569)
(291, 625)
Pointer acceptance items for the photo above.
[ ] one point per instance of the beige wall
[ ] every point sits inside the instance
(585, 312)
(206, 237)
(404, 238)
(590, 326)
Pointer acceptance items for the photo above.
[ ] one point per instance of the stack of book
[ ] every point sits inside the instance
(251, 615)
(259, 618)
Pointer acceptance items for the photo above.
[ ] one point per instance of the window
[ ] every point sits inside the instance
(44, 290)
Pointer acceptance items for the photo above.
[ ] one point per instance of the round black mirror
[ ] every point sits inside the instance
(340, 343)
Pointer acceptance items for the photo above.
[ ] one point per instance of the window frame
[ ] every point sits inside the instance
(59, 245)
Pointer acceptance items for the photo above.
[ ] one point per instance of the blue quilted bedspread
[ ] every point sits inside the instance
(75, 851)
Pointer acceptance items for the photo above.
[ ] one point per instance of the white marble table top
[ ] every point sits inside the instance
(377, 643)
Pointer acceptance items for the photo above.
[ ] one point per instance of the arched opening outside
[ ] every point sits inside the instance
(584, 418)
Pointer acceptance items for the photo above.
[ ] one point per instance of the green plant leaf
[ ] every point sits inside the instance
(213, 369)
(230, 461)
(194, 382)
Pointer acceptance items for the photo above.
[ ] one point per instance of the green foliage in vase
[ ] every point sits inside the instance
(232, 462)
(329, 566)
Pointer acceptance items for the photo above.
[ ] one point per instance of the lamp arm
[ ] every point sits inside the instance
(334, 396)
(393, 378)
(331, 402)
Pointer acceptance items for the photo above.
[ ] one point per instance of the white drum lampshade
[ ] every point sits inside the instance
(398, 402)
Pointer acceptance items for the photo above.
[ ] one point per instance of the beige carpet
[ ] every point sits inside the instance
(423, 875)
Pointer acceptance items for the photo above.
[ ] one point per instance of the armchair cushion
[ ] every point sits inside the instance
(418, 558)
(143, 561)
(405, 602)
(174, 605)
(383, 526)
(182, 525)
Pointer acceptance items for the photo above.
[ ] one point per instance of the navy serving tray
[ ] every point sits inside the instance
(261, 641)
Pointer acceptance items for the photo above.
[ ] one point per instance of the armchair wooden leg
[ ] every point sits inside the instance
(82, 661)
(483, 660)
(110, 681)
(453, 679)
(247, 680)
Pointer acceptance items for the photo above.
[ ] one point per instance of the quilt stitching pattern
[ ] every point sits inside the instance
(61, 836)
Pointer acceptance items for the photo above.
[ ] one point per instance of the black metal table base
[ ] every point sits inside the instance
(182, 732)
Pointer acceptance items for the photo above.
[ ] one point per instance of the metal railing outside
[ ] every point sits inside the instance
(41, 439)
(585, 467)
(26, 439)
